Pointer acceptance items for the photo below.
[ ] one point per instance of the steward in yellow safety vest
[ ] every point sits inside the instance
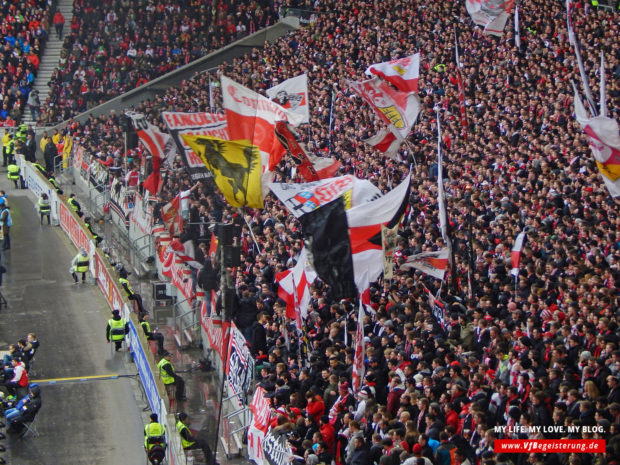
(170, 378)
(80, 265)
(154, 433)
(131, 295)
(116, 329)
(75, 205)
(13, 172)
(6, 141)
(52, 181)
(97, 238)
(188, 441)
(45, 207)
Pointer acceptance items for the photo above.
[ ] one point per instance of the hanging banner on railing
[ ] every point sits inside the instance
(74, 230)
(198, 124)
(180, 274)
(106, 283)
(276, 450)
(240, 366)
(216, 331)
(141, 215)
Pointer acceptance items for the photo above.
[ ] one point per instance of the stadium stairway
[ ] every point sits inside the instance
(51, 55)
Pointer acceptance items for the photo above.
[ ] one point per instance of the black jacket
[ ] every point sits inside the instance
(259, 339)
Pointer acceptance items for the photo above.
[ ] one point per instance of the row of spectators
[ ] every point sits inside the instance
(115, 46)
(541, 350)
(23, 28)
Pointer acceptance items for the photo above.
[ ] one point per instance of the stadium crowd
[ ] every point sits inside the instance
(541, 351)
(23, 28)
(114, 46)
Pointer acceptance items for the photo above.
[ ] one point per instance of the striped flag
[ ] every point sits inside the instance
(517, 29)
(386, 142)
(515, 254)
(358, 360)
(432, 263)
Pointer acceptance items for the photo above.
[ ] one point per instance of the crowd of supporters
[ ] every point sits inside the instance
(24, 27)
(112, 47)
(541, 350)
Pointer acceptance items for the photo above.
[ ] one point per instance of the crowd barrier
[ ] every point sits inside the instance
(104, 275)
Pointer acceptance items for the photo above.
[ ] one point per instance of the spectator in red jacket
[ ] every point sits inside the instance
(328, 434)
(315, 407)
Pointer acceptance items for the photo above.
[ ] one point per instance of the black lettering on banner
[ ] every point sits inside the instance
(275, 449)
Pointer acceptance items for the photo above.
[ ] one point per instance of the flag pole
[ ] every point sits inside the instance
(251, 232)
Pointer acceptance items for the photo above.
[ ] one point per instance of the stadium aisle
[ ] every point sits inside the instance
(92, 421)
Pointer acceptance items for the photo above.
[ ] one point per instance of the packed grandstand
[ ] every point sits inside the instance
(447, 362)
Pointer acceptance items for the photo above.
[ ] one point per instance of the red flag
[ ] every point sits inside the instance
(312, 168)
(153, 181)
(170, 214)
(386, 142)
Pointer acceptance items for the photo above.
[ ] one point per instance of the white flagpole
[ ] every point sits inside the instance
(517, 30)
(603, 98)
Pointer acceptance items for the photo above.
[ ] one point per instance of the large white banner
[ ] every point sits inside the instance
(194, 124)
(306, 197)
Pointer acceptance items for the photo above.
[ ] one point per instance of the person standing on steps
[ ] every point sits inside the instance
(6, 221)
(59, 23)
(50, 152)
(80, 265)
(116, 329)
(7, 139)
(44, 207)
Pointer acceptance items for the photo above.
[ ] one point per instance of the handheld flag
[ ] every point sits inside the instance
(402, 73)
(386, 142)
(515, 253)
(235, 165)
(292, 95)
(432, 263)
(492, 14)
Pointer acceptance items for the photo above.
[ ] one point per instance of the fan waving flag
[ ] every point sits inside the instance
(252, 117)
(515, 253)
(492, 14)
(365, 222)
(292, 94)
(358, 360)
(403, 73)
(312, 168)
(326, 235)
(159, 144)
(604, 138)
(171, 216)
(235, 165)
(399, 110)
(293, 287)
(432, 263)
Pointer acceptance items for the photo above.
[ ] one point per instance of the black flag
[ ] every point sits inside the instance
(326, 234)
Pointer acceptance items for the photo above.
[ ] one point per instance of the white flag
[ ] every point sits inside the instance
(517, 29)
(292, 94)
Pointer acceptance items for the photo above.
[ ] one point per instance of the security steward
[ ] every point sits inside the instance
(97, 238)
(52, 181)
(152, 335)
(188, 441)
(154, 435)
(13, 172)
(45, 208)
(170, 378)
(80, 265)
(131, 295)
(77, 208)
(116, 330)
(40, 168)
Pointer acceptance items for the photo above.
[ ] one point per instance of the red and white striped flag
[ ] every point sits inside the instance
(432, 263)
(184, 251)
(293, 288)
(402, 73)
(515, 254)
